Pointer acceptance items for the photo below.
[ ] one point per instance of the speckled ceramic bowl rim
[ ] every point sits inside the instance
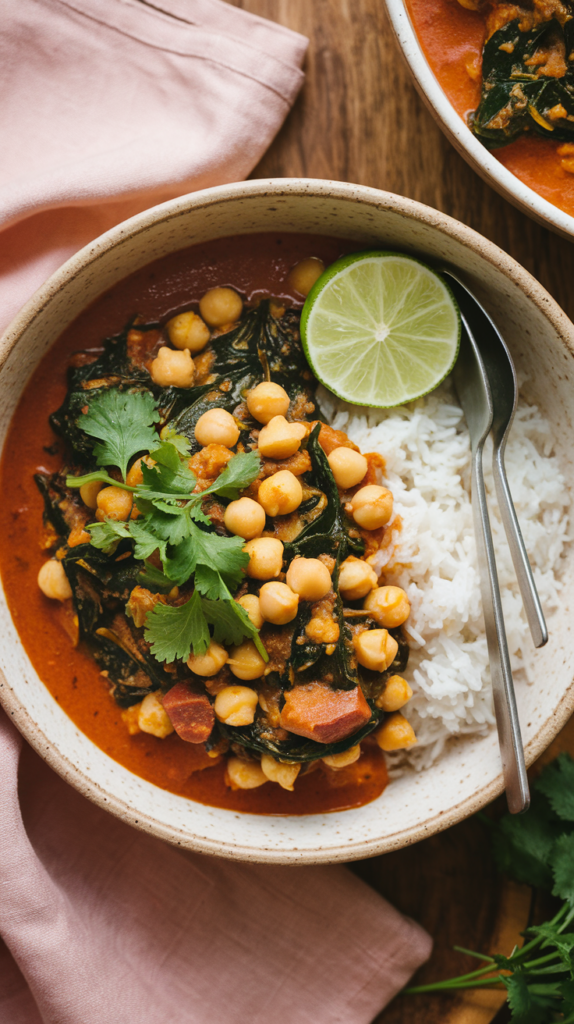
(322, 189)
(481, 159)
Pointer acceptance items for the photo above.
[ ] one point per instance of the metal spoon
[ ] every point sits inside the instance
(473, 390)
(504, 392)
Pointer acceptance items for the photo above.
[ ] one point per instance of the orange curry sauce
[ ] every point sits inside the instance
(255, 265)
(452, 39)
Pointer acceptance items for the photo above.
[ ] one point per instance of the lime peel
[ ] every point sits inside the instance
(380, 329)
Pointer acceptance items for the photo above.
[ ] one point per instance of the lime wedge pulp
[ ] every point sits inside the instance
(380, 329)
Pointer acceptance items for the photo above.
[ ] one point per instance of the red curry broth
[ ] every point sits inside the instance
(256, 265)
(452, 39)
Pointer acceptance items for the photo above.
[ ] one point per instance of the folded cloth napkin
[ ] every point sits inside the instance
(108, 107)
(105, 925)
(111, 106)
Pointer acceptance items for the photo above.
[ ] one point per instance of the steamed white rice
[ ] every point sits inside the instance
(432, 551)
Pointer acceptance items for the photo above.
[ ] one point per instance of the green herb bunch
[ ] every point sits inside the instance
(172, 522)
(536, 848)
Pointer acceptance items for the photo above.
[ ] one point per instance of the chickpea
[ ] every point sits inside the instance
(53, 581)
(389, 606)
(89, 493)
(153, 718)
(220, 306)
(244, 774)
(395, 695)
(278, 603)
(246, 662)
(348, 467)
(188, 331)
(395, 733)
(114, 503)
(245, 518)
(265, 558)
(281, 493)
(250, 602)
(356, 578)
(375, 649)
(266, 401)
(235, 705)
(372, 506)
(275, 771)
(309, 578)
(280, 439)
(172, 369)
(217, 426)
(305, 273)
(210, 663)
(342, 760)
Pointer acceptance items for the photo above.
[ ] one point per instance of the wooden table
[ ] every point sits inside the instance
(359, 119)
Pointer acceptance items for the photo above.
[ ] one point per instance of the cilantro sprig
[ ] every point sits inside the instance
(536, 848)
(122, 422)
(172, 521)
(175, 632)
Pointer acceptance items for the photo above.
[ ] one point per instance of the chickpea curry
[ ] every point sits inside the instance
(208, 542)
(508, 68)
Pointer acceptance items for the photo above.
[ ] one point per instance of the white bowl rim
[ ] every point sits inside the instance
(276, 187)
(469, 147)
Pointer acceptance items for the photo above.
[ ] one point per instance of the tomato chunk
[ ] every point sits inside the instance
(190, 713)
(320, 713)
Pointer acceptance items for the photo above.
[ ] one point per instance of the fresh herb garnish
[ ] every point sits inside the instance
(175, 632)
(536, 848)
(172, 522)
(123, 423)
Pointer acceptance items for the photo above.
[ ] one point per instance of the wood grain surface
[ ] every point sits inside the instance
(359, 119)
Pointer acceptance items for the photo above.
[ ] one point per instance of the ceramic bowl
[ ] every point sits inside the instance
(542, 343)
(469, 147)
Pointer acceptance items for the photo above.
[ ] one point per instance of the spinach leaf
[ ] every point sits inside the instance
(516, 96)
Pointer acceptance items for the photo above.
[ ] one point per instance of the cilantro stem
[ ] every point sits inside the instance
(455, 983)
(471, 952)
(99, 475)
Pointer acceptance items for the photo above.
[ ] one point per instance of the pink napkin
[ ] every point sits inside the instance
(110, 106)
(106, 925)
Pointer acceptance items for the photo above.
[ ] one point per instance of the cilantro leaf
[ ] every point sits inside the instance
(519, 999)
(563, 868)
(522, 844)
(239, 472)
(166, 482)
(173, 632)
(231, 624)
(166, 454)
(146, 541)
(107, 535)
(557, 784)
(181, 561)
(209, 583)
(530, 1004)
(223, 554)
(179, 441)
(122, 421)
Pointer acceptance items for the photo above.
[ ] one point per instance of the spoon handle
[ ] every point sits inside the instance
(522, 567)
(511, 750)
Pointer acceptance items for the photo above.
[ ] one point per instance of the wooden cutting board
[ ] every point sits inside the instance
(359, 119)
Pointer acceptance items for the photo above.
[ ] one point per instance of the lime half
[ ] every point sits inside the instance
(380, 329)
